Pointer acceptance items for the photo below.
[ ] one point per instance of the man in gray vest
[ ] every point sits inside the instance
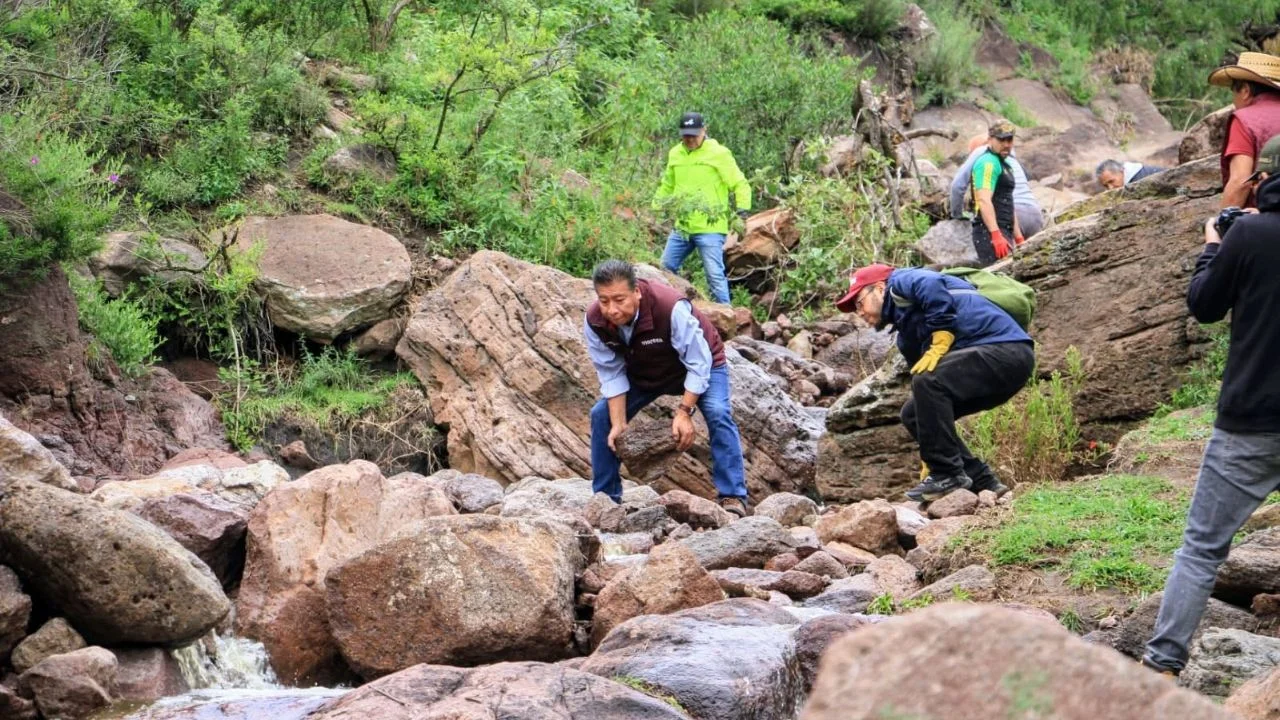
(646, 340)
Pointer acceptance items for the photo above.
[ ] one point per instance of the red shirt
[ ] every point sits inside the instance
(1238, 141)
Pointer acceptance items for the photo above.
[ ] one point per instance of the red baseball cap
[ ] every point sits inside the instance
(862, 277)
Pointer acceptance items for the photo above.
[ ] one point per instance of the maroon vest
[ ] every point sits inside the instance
(652, 364)
(1261, 122)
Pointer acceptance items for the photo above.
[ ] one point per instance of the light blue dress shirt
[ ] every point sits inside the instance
(686, 339)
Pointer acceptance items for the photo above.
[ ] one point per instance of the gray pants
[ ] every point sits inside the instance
(1237, 474)
(1030, 220)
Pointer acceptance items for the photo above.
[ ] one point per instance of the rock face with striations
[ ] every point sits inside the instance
(499, 346)
(1130, 250)
(323, 276)
(118, 578)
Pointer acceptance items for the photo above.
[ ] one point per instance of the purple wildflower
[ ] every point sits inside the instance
(113, 178)
(35, 159)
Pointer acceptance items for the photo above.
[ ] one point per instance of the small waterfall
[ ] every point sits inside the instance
(230, 663)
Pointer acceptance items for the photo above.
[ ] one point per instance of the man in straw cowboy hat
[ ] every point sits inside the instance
(1255, 86)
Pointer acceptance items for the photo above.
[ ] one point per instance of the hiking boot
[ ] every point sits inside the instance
(735, 506)
(990, 482)
(936, 486)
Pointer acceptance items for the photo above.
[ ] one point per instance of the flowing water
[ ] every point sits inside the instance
(230, 678)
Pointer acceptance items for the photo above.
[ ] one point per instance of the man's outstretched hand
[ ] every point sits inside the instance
(683, 430)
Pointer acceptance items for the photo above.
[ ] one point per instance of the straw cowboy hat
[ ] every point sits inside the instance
(1251, 67)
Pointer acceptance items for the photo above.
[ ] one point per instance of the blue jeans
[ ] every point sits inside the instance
(726, 446)
(1237, 474)
(711, 246)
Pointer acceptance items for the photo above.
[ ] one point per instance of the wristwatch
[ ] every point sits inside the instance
(690, 409)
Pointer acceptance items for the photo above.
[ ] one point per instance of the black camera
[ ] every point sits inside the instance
(1225, 219)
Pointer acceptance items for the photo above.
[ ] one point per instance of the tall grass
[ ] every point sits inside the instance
(1034, 437)
(946, 64)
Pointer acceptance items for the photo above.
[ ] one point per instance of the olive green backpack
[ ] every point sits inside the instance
(1015, 298)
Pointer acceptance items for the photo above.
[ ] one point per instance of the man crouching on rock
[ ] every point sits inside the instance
(966, 353)
(647, 340)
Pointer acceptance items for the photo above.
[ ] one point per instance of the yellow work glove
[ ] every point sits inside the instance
(924, 472)
(942, 340)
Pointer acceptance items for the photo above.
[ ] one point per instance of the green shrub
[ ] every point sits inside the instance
(946, 64)
(329, 390)
(1034, 436)
(56, 195)
(124, 327)
(871, 19)
(844, 223)
(760, 97)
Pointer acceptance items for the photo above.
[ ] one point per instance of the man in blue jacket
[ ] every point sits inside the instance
(967, 355)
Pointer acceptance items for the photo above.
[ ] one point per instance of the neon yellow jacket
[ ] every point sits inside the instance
(702, 179)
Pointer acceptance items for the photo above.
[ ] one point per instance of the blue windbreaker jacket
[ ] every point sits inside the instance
(917, 302)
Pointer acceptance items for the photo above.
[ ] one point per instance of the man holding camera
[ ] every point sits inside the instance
(1241, 465)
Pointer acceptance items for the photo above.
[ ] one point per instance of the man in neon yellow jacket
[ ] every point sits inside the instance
(700, 176)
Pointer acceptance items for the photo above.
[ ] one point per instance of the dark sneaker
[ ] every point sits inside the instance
(735, 506)
(1166, 672)
(990, 482)
(936, 486)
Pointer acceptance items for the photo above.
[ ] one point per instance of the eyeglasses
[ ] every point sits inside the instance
(862, 295)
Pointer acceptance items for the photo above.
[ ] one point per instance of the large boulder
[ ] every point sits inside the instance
(23, 457)
(859, 353)
(118, 578)
(731, 660)
(242, 485)
(1253, 566)
(526, 690)
(499, 347)
(464, 590)
(15, 610)
(55, 637)
(323, 276)
(1133, 633)
(949, 244)
(1138, 255)
(73, 685)
(147, 674)
(866, 452)
(670, 580)
(745, 543)
(127, 257)
(301, 531)
(1258, 699)
(976, 662)
(209, 526)
(1223, 659)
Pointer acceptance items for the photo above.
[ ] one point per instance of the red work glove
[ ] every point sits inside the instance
(1000, 245)
(1018, 239)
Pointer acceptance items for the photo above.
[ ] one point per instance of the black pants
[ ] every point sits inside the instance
(982, 242)
(965, 382)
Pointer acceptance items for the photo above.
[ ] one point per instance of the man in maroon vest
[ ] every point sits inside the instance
(646, 340)
(1255, 86)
